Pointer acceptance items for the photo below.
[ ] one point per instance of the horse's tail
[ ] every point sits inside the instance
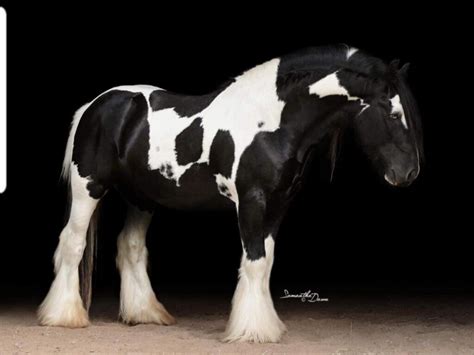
(86, 268)
(87, 263)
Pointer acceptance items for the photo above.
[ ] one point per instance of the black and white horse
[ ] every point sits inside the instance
(241, 147)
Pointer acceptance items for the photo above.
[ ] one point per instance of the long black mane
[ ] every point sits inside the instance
(310, 62)
(411, 113)
(332, 56)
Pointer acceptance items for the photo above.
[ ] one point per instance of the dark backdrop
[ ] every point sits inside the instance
(355, 233)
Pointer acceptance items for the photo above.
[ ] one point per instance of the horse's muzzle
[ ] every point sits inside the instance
(401, 177)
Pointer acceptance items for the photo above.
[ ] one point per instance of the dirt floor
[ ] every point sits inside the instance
(343, 325)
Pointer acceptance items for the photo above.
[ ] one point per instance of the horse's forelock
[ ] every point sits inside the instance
(411, 112)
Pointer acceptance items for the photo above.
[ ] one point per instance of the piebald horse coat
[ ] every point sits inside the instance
(241, 147)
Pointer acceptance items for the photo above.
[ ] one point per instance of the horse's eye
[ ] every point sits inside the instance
(395, 116)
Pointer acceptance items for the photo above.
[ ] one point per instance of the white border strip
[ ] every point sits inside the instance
(3, 99)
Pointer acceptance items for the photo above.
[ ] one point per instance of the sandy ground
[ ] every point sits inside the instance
(344, 325)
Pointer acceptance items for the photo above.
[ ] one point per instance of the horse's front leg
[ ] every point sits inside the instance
(253, 317)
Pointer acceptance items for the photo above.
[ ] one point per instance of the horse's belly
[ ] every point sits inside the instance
(195, 190)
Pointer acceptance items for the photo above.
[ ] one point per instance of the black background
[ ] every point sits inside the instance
(354, 234)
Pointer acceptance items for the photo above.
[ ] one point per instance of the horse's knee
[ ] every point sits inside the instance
(254, 248)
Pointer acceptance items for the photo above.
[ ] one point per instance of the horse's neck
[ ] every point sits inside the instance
(254, 97)
(309, 120)
(260, 77)
(255, 90)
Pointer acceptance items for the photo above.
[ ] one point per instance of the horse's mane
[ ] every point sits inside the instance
(331, 56)
(306, 62)
(411, 113)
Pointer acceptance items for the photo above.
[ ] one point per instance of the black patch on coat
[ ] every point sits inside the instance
(105, 134)
(185, 106)
(189, 143)
(221, 155)
(196, 190)
(169, 171)
(135, 113)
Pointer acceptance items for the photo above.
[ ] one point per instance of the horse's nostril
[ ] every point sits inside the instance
(391, 177)
(412, 175)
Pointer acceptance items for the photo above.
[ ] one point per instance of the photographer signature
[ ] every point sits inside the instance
(305, 296)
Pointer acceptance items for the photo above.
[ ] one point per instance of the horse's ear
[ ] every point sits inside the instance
(394, 64)
(404, 69)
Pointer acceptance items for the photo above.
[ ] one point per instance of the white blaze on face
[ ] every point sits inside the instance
(330, 85)
(398, 109)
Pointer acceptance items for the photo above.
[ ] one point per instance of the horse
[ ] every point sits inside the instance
(243, 147)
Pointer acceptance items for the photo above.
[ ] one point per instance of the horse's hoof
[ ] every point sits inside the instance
(155, 313)
(69, 317)
(266, 335)
(253, 337)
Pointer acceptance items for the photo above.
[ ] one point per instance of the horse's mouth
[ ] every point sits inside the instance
(397, 183)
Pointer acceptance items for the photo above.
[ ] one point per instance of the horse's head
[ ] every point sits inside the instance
(388, 128)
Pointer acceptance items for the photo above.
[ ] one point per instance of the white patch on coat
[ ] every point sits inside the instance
(351, 52)
(165, 126)
(144, 89)
(330, 85)
(231, 191)
(63, 304)
(138, 303)
(253, 317)
(398, 108)
(250, 100)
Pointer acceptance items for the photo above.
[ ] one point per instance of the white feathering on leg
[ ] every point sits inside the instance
(253, 317)
(63, 305)
(138, 303)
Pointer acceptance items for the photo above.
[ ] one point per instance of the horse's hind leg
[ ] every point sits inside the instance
(63, 305)
(138, 303)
